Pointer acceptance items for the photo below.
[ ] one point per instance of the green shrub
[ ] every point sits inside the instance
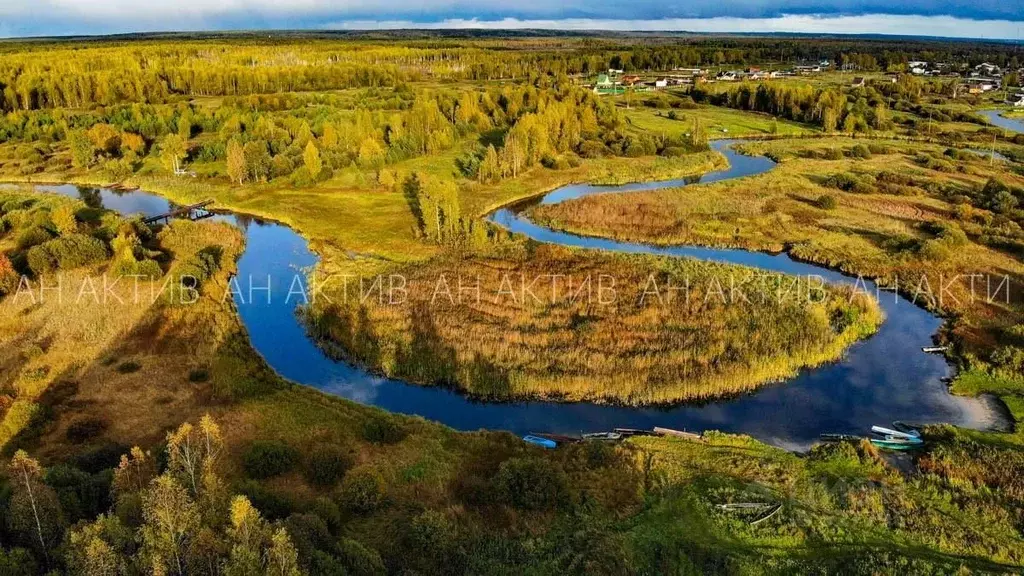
(593, 149)
(269, 458)
(849, 183)
(383, 430)
(129, 367)
(40, 260)
(326, 465)
(832, 154)
(271, 504)
(362, 491)
(76, 250)
(360, 560)
(34, 236)
(935, 250)
(860, 151)
(531, 484)
(826, 202)
(196, 270)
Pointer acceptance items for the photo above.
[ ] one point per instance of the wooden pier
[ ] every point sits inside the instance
(192, 212)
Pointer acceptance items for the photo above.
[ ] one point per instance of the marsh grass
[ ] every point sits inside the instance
(636, 350)
(123, 358)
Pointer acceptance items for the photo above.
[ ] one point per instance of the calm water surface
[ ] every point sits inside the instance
(997, 119)
(881, 379)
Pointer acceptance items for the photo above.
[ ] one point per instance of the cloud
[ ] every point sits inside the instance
(944, 26)
(978, 18)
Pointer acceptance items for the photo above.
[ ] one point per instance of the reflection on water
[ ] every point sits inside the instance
(879, 380)
(997, 119)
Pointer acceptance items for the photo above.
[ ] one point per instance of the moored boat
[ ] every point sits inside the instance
(603, 436)
(839, 437)
(912, 429)
(896, 433)
(891, 443)
(538, 441)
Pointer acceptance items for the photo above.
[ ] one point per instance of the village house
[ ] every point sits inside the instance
(1017, 100)
(986, 69)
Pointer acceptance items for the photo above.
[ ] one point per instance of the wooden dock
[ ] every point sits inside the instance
(191, 212)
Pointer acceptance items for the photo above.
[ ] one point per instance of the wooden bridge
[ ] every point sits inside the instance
(192, 212)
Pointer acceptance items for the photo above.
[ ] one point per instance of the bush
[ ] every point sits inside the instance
(383, 430)
(360, 560)
(85, 429)
(531, 484)
(362, 491)
(77, 250)
(33, 237)
(8, 277)
(935, 250)
(848, 183)
(832, 154)
(860, 151)
(268, 458)
(593, 149)
(40, 260)
(271, 504)
(327, 464)
(826, 202)
(196, 270)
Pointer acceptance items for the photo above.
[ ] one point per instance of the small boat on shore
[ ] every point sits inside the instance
(557, 438)
(839, 438)
(912, 429)
(891, 443)
(934, 349)
(538, 441)
(634, 432)
(603, 436)
(896, 433)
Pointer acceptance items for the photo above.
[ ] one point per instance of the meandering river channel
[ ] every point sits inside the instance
(883, 378)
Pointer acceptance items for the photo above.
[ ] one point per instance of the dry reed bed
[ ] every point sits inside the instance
(635, 350)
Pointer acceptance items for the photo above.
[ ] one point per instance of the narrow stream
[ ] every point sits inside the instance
(884, 378)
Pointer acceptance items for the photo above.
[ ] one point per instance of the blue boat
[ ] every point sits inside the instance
(542, 442)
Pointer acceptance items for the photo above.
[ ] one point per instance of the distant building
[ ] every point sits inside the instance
(1017, 100)
(614, 72)
(987, 69)
(661, 83)
(726, 76)
(807, 69)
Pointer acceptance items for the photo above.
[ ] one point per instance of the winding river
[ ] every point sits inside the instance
(996, 118)
(884, 378)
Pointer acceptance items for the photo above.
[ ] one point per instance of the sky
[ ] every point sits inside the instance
(1000, 19)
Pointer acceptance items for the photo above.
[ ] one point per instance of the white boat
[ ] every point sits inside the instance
(605, 436)
(934, 349)
(889, 432)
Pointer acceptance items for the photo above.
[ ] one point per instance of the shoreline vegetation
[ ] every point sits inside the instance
(385, 155)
